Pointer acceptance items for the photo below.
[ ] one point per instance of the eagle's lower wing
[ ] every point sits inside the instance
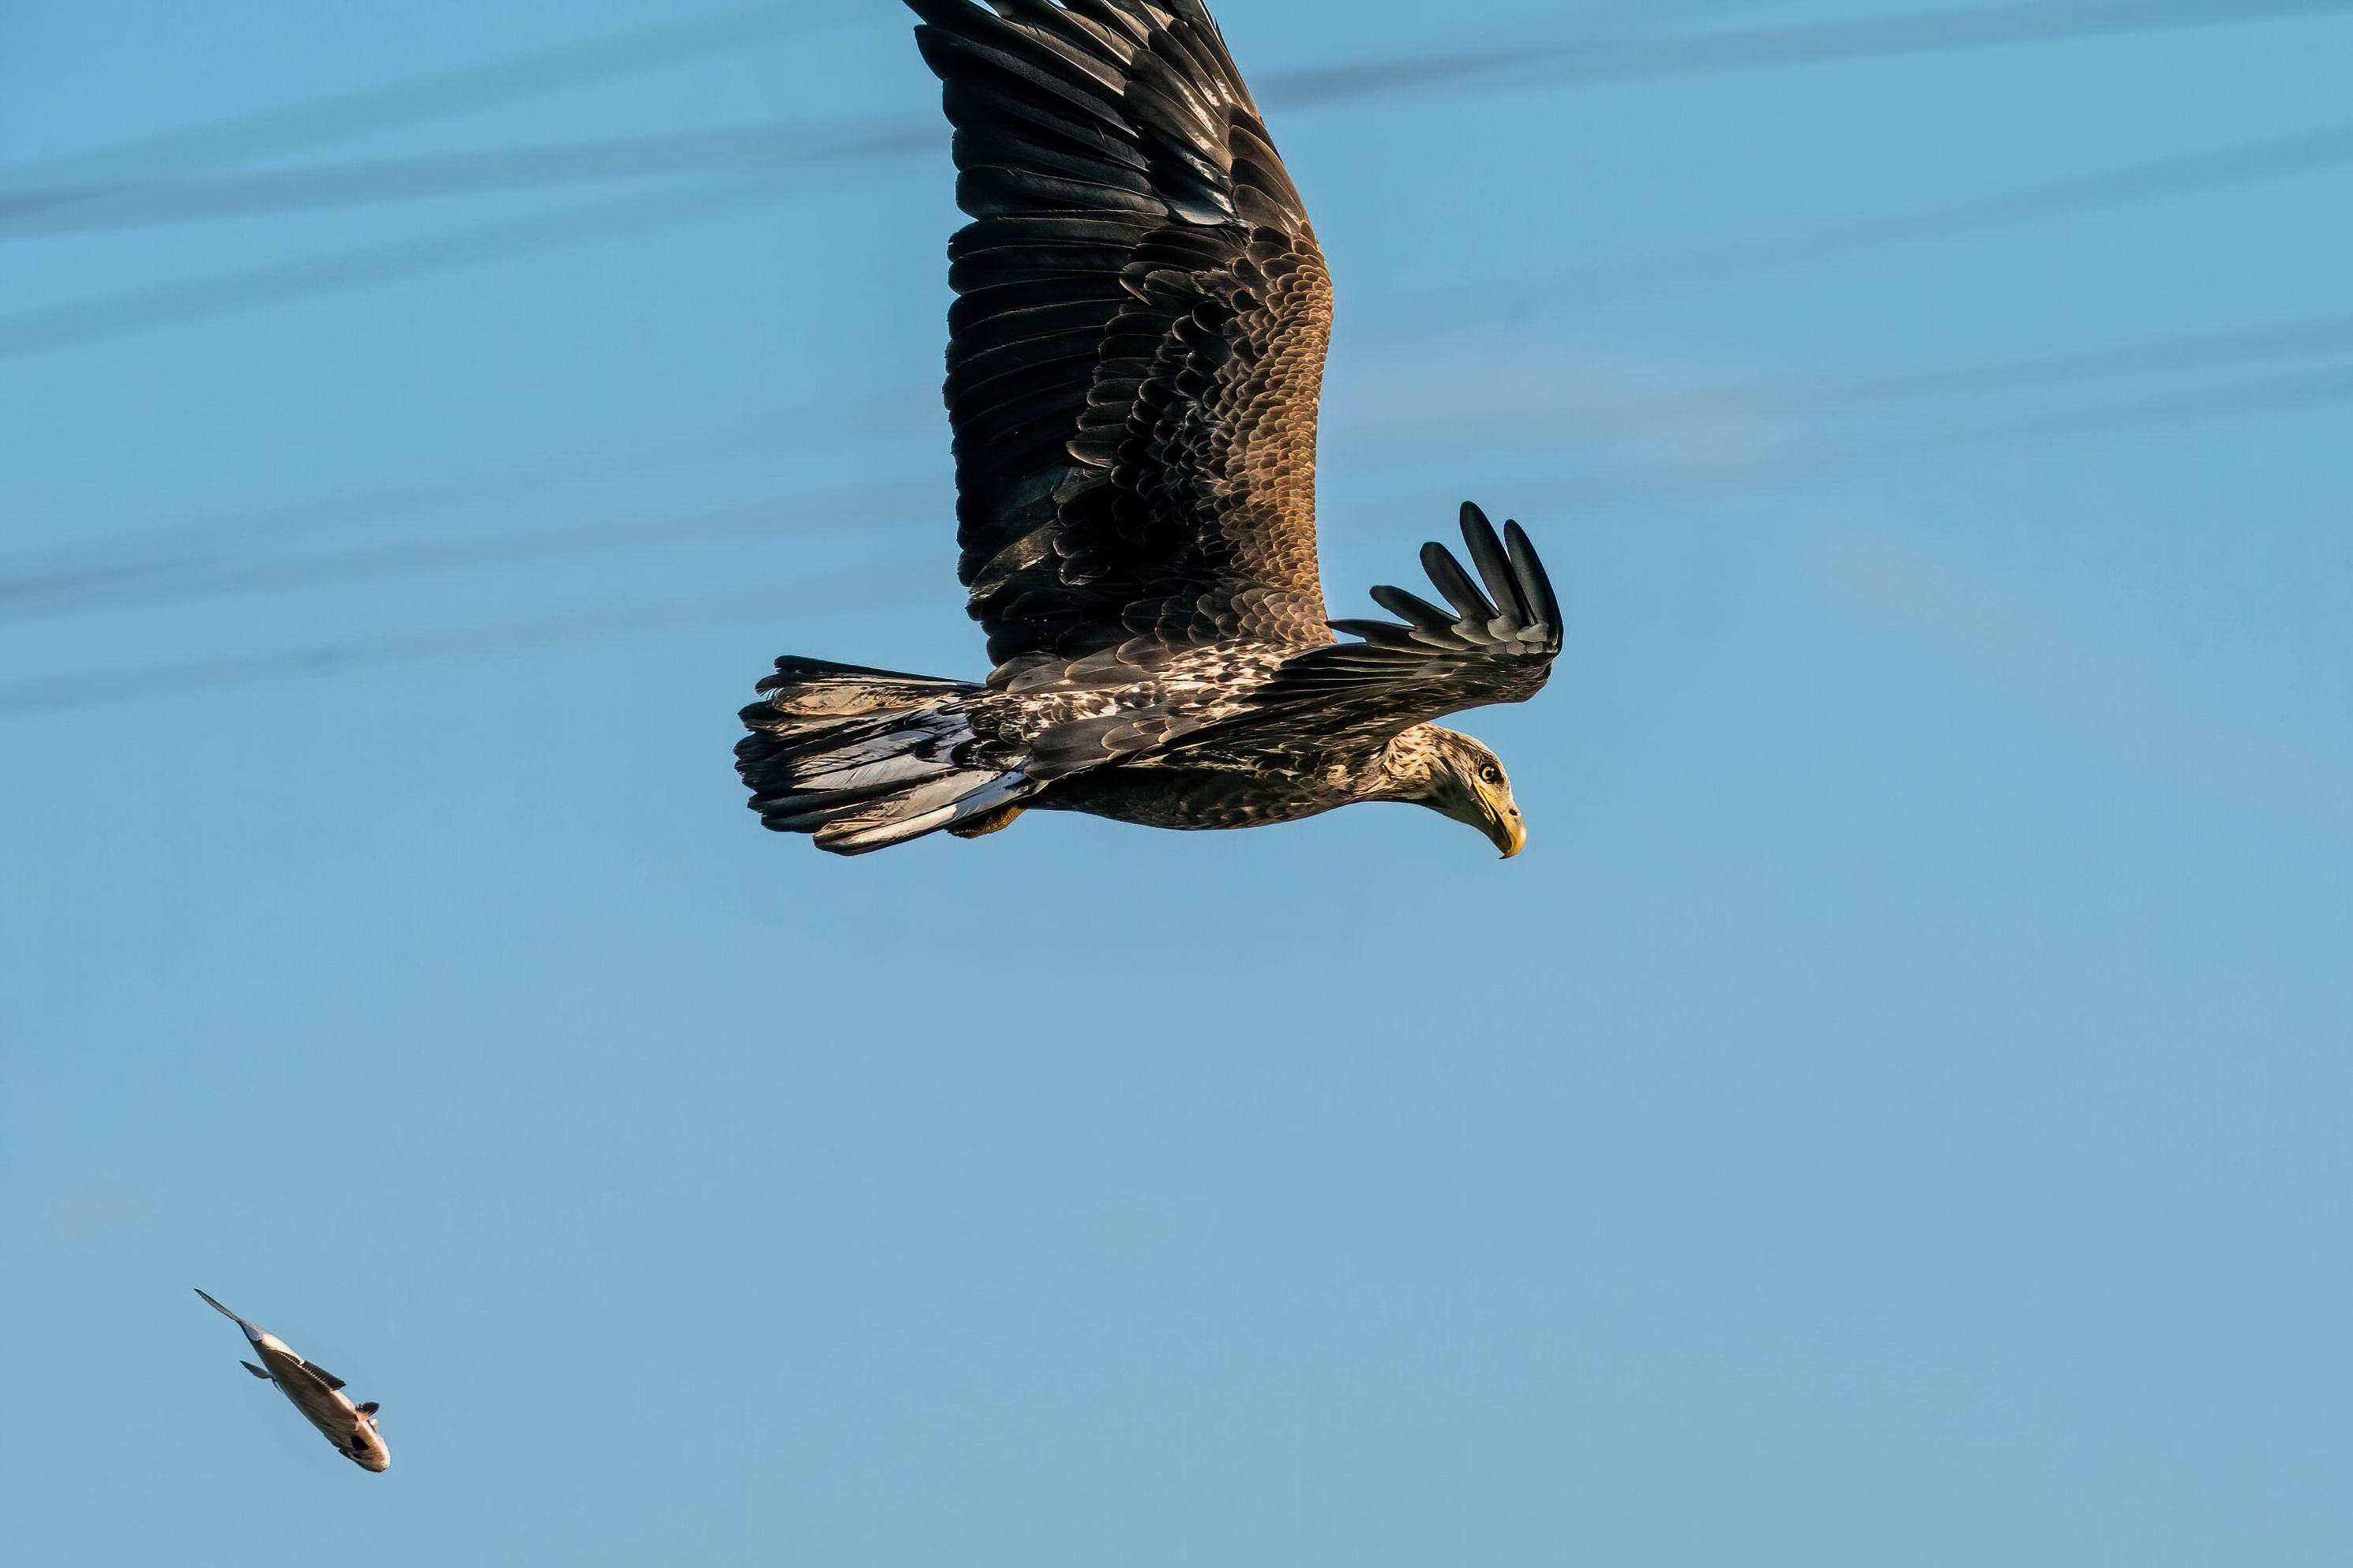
(1494, 643)
(1137, 346)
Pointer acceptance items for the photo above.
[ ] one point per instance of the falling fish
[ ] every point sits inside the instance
(318, 1393)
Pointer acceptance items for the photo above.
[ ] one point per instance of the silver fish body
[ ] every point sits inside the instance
(318, 1393)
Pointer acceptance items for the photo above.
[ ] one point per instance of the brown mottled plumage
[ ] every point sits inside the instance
(1136, 356)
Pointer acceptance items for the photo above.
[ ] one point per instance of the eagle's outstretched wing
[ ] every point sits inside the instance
(1496, 644)
(1137, 347)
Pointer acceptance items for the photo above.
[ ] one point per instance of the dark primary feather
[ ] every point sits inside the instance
(1137, 347)
(1495, 645)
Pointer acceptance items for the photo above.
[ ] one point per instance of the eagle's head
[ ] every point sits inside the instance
(1456, 776)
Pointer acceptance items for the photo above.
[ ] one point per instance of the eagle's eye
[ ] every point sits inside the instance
(1491, 774)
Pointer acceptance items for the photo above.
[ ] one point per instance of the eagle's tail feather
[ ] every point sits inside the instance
(864, 758)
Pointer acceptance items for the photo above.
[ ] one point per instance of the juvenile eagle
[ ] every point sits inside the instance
(1133, 361)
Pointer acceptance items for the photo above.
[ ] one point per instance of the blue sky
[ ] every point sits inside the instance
(1894, 1112)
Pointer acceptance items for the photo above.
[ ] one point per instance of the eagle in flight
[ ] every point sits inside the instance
(1134, 357)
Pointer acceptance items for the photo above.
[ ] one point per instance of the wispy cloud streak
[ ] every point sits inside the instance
(2100, 693)
(2178, 177)
(55, 183)
(1803, 44)
(768, 517)
(31, 208)
(154, 681)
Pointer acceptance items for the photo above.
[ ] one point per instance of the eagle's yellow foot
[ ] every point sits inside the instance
(997, 820)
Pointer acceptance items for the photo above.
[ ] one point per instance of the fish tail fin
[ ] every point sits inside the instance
(225, 1312)
(864, 758)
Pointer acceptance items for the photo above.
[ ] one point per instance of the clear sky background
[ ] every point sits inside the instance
(1894, 1113)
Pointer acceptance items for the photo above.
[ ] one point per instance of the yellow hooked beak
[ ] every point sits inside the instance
(1504, 826)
